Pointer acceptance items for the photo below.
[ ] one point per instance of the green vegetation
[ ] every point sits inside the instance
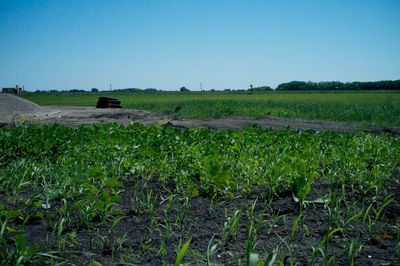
(382, 108)
(383, 85)
(105, 194)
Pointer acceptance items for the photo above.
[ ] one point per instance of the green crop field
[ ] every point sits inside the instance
(159, 195)
(372, 107)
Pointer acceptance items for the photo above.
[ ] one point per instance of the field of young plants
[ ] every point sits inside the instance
(159, 195)
(377, 107)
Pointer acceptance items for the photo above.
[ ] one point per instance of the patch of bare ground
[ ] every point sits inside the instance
(15, 110)
(143, 232)
(75, 116)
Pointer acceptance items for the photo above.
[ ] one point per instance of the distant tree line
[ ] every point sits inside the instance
(97, 90)
(262, 88)
(53, 90)
(136, 90)
(289, 86)
(336, 85)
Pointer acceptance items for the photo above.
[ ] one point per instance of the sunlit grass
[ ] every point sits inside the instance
(382, 108)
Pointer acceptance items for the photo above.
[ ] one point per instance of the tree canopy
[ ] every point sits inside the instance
(184, 89)
(336, 85)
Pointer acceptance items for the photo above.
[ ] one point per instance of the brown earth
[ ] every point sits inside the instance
(14, 110)
(204, 219)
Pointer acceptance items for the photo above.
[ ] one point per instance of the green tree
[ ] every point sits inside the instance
(184, 89)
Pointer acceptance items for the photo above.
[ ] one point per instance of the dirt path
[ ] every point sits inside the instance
(14, 110)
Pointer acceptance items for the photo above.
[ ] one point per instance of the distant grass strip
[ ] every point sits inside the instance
(382, 108)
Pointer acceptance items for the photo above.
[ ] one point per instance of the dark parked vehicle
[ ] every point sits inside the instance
(107, 102)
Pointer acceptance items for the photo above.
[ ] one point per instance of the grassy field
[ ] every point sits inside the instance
(382, 108)
(159, 195)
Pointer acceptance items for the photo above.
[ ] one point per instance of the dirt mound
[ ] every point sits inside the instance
(12, 106)
(10, 103)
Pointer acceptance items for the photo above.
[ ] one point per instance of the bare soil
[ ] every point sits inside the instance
(14, 110)
(204, 222)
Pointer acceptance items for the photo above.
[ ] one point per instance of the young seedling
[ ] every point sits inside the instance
(295, 226)
(333, 210)
(231, 225)
(211, 251)
(353, 251)
(181, 214)
(118, 244)
(323, 248)
(251, 240)
(272, 220)
(60, 227)
(379, 212)
(255, 260)
(165, 231)
(182, 252)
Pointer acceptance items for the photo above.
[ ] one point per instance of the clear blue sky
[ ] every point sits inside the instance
(172, 43)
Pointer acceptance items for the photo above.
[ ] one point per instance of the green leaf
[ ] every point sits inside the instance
(12, 214)
(112, 182)
(295, 226)
(182, 252)
(115, 223)
(269, 261)
(78, 205)
(11, 230)
(20, 242)
(32, 250)
(95, 171)
(334, 232)
(254, 258)
(95, 263)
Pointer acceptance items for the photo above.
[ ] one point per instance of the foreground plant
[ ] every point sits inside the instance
(131, 194)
